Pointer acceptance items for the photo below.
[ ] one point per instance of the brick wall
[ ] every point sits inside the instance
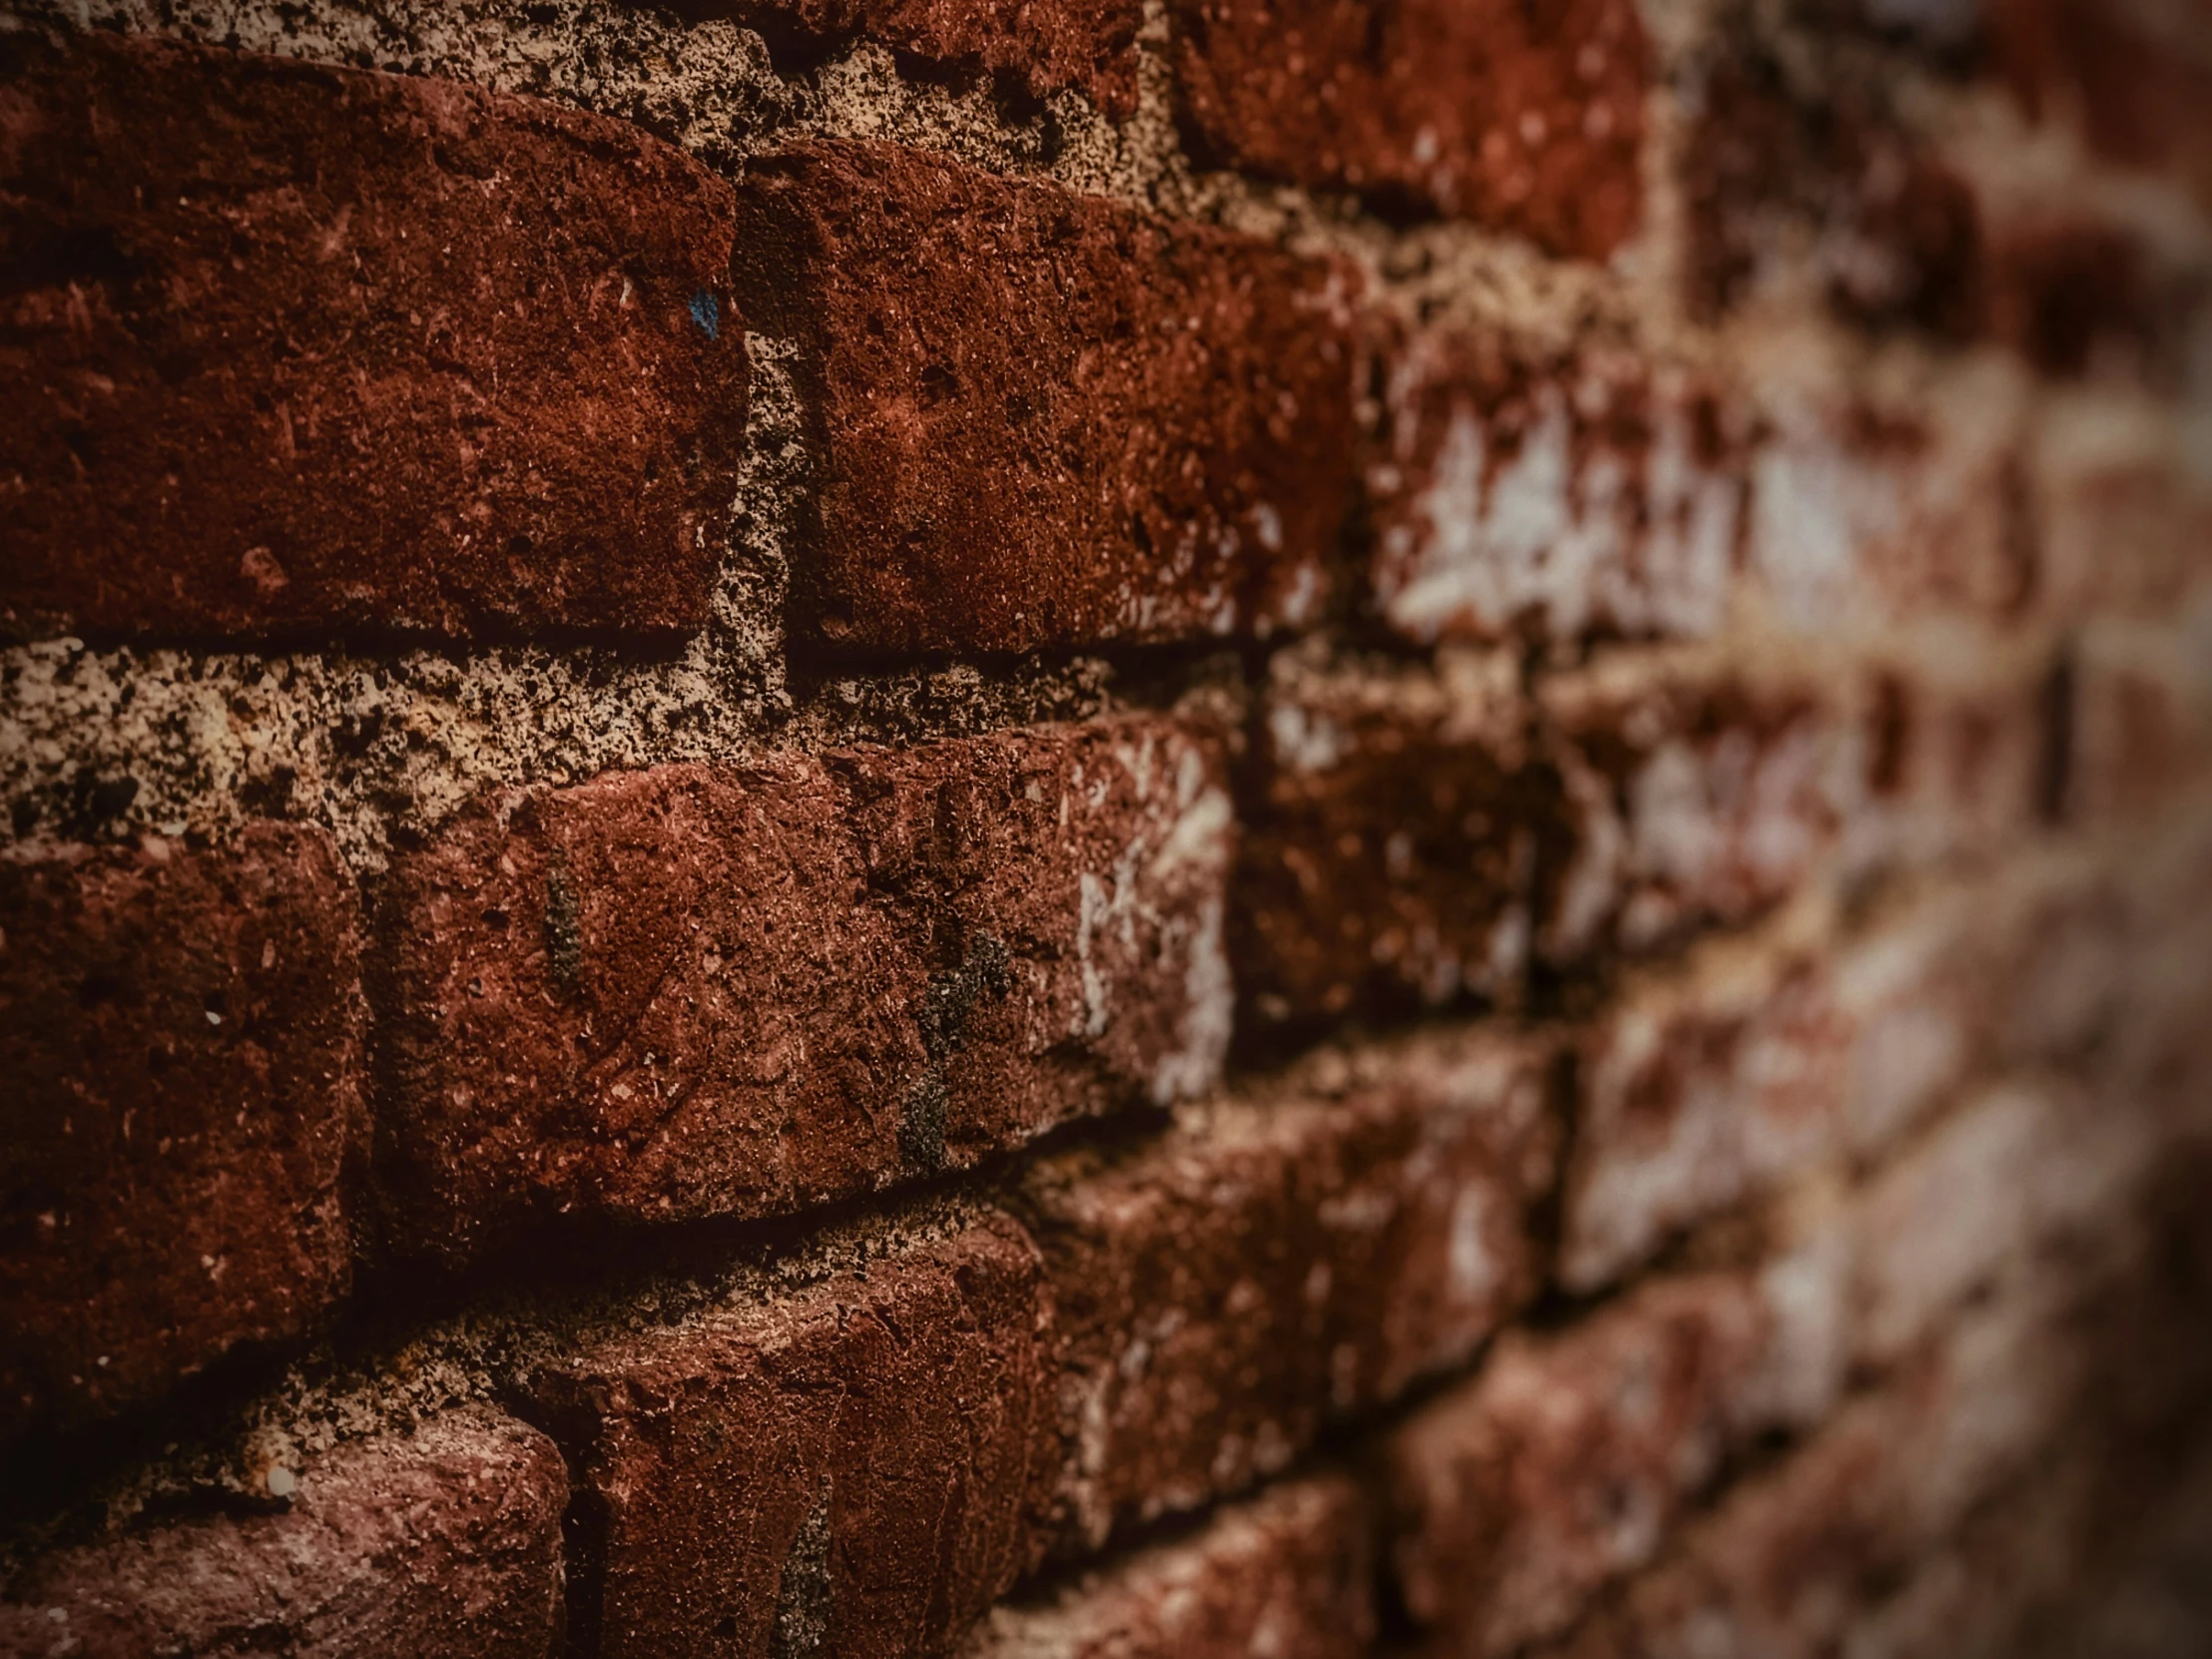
(908, 827)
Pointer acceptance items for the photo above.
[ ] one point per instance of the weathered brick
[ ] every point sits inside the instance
(444, 1540)
(1089, 44)
(1698, 1087)
(2132, 75)
(1698, 792)
(1527, 118)
(1396, 823)
(695, 992)
(1519, 491)
(1982, 1198)
(1286, 1575)
(850, 1465)
(1276, 1261)
(1882, 504)
(296, 349)
(2139, 715)
(180, 1030)
(1813, 1551)
(1799, 170)
(1571, 1457)
(1763, 1057)
(2122, 514)
(1044, 419)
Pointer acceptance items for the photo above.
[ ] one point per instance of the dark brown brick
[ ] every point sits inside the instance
(1527, 118)
(1798, 165)
(1087, 45)
(1394, 829)
(1569, 1458)
(1523, 492)
(1285, 1576)
(2132, 74)
(180, 1030)
(1045, 419)
(293, 350)
(849, 1466)
(696, 991)
(445, 1540)
(1279, 1262)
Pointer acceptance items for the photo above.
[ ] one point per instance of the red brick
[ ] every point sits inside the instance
(445, 1540)
(296, 349)
(1698, 793)
(1698, 1087)
(696, 991)
(1875, 506)
(1805, 1553)
(1395, 831)
(1571, 1457)
(851, 1466)
(1529, 119)
(1285, 1576)
(1799, 169)
(2140, 717)
(1522, 491)
(1044, 419)
(1087, 45)
(1278, 1262)
(2122, 517)
(1763, 1057)
(2132, 75)
(182, 1033)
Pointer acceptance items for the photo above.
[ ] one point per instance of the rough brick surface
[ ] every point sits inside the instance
(1089, 44)
(446, 1540)
(1396, 827)
(849, 1466)
(1529, 119)
(1515, 491)
(1272, 1263)
(293, 350)
(1569, 1458)
(1045, 419)
(181, 1031)
(696, 991)
(1287, 1575)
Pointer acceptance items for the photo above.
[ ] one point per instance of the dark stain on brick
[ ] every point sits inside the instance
(805, 1603)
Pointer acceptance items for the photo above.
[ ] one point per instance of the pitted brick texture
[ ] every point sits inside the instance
(1045, 419)
(296, 350)
(1529, 119)
(1275, 1264)
(849, 1466)
(1287, 1575)
(181, 1031)
(737, 991)
(446, 1540)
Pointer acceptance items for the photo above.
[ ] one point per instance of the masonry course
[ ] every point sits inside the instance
(1305, 830)
(470, 372)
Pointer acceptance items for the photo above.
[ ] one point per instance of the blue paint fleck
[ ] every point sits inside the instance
(707, 314)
